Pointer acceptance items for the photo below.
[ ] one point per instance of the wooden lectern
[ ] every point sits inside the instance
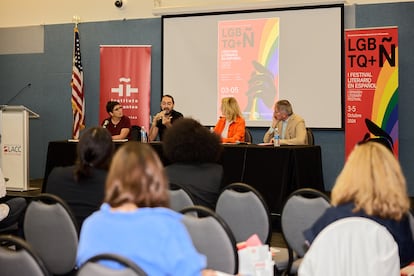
(14, 130)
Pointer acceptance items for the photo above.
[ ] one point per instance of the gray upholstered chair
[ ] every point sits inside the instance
(246, 213)
(212, 237)
(18, 258)
(51, 229)
(302, 208)
(93, 267)
(179, 197)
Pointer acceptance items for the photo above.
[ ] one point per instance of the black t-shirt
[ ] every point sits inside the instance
(83, 197)
(161, 128)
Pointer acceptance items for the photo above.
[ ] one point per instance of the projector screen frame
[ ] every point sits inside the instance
(340, 113)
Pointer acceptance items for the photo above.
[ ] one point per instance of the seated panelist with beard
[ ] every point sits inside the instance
(163, 119)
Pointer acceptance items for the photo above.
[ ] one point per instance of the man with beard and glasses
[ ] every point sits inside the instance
(164, 119)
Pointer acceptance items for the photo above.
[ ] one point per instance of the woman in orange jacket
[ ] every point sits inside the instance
(231, 126)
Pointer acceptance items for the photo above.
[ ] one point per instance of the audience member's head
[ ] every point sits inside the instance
(136, 176)
(95, 150)
(230, 108)
(187, 141)
(372, 178)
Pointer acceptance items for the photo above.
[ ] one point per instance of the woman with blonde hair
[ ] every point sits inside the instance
(134, 223)
(372, 185)
(231, 126)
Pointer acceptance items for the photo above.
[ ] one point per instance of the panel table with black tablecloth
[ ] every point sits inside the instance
(274, 172)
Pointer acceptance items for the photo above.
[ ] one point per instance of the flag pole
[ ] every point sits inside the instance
(77, 99)
(76, 20)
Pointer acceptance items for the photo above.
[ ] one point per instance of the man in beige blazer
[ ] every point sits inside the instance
(291, 127)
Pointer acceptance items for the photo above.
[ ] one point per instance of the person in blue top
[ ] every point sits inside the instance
(372, 185)
(134, 220)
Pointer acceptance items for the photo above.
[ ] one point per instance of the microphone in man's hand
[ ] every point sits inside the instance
(18, 93)
(106, 122)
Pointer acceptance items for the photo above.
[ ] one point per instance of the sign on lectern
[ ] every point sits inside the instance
(14, 131)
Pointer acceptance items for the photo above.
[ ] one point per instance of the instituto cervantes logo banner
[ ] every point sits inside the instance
(126, 77)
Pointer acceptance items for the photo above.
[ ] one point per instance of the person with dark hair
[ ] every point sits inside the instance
(135, 222)
(194, 152)
(117, 124)
(164, 119)
(82, 185)
(291, 127)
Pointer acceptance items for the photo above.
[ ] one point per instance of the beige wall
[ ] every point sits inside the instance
(44, 12)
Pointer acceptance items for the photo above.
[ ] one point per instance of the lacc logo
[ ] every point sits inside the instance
(12, 149)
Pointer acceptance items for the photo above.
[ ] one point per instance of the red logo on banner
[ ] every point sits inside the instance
(126, 78)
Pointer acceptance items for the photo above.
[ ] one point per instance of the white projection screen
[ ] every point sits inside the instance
(257, 57)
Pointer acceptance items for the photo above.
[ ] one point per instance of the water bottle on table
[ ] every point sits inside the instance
(143, 135)
(276, 138)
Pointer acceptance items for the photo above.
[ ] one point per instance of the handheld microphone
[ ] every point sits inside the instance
(18, 93)
(106, 122)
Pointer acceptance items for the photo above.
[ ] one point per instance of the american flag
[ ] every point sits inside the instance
(78, 101)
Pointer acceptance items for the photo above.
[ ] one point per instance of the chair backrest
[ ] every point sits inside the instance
(311, 137)
(212, 237)
(248, 136)
(18, 258)
(180, 197)
(302, 208)
(246, 213)
(51, 229)
(135, 133)
(93, 266)
(411, 219)
(352, 246)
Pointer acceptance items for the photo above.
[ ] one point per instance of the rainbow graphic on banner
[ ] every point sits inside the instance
(269, 47)
(268, 56)
(372, 84)
(385, 102)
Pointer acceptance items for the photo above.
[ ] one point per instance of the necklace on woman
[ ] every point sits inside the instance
(115, 124)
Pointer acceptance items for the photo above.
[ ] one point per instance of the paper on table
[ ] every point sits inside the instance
(120, 140)
(265, 144)
(115, 140)
(219, 273)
